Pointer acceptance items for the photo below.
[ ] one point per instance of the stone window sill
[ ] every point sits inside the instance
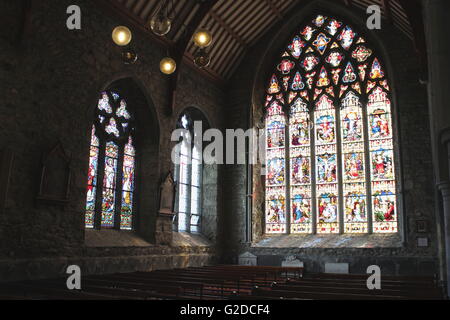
(113, 238)
(331, 241)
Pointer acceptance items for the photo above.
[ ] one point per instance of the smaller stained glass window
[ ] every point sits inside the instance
(111, 147)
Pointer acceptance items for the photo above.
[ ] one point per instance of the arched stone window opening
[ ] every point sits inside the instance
(330, 160)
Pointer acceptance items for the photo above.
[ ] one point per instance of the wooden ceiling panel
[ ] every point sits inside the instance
(238, 24)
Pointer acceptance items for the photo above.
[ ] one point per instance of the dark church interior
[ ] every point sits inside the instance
(224, 150)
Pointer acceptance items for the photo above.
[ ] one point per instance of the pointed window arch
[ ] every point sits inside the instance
(189, 178)
(112, 162)
(330, 164)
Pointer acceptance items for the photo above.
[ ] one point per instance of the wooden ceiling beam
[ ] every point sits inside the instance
(274, 9)
(178, 51)
(224, 25)
(348, 3)
(414, 10)
(387, 10)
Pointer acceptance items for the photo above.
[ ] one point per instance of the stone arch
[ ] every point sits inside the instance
(147, 141)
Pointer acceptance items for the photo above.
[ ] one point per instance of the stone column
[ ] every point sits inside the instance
(445, 191)
(436, 13)
(164, 232)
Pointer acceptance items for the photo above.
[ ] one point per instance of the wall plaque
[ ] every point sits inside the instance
(55, 177)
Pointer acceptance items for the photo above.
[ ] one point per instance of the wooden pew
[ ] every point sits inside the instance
(226, 282)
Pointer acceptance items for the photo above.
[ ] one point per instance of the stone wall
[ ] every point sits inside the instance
(50, 80)
(411, 119)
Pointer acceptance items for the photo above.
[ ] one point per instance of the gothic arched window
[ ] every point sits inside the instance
(329, 139)
(110, 188)
(188, 176)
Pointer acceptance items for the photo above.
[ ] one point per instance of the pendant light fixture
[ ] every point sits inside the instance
(167, 65)
(161, 21)
(121, 36)
(129, 56)
(202, 38)
(201, 58)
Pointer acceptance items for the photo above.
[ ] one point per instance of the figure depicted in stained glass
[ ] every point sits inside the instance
(286, 66)
(274, 87)
(352, 127)
(112, 127)
(346, 37)
(310, 62)
(325, 129)
(122, 111)
(110, 173)
(300, 131)
(108, 207)
(355, 207)
(301, 209)
(277, 210)
(319, 20)
(296, 47)
(275, 171)
(354, 167)
(300, 170)
(275, 134)
(382, 165)
(307, 33)
(326, 168)
(379, 124)
(92, 171)
(327, 208)
(377, 72)
(333, 26)
(335, 59)
(321, 43)
(103, 103)
(384, 206)
(323, 78)
(128, 173)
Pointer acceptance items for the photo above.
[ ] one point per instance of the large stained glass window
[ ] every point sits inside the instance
(188, 175)
(111, 174)
(329, 142)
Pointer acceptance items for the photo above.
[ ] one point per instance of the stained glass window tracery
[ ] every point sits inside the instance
(330, 160)
(111, 174)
